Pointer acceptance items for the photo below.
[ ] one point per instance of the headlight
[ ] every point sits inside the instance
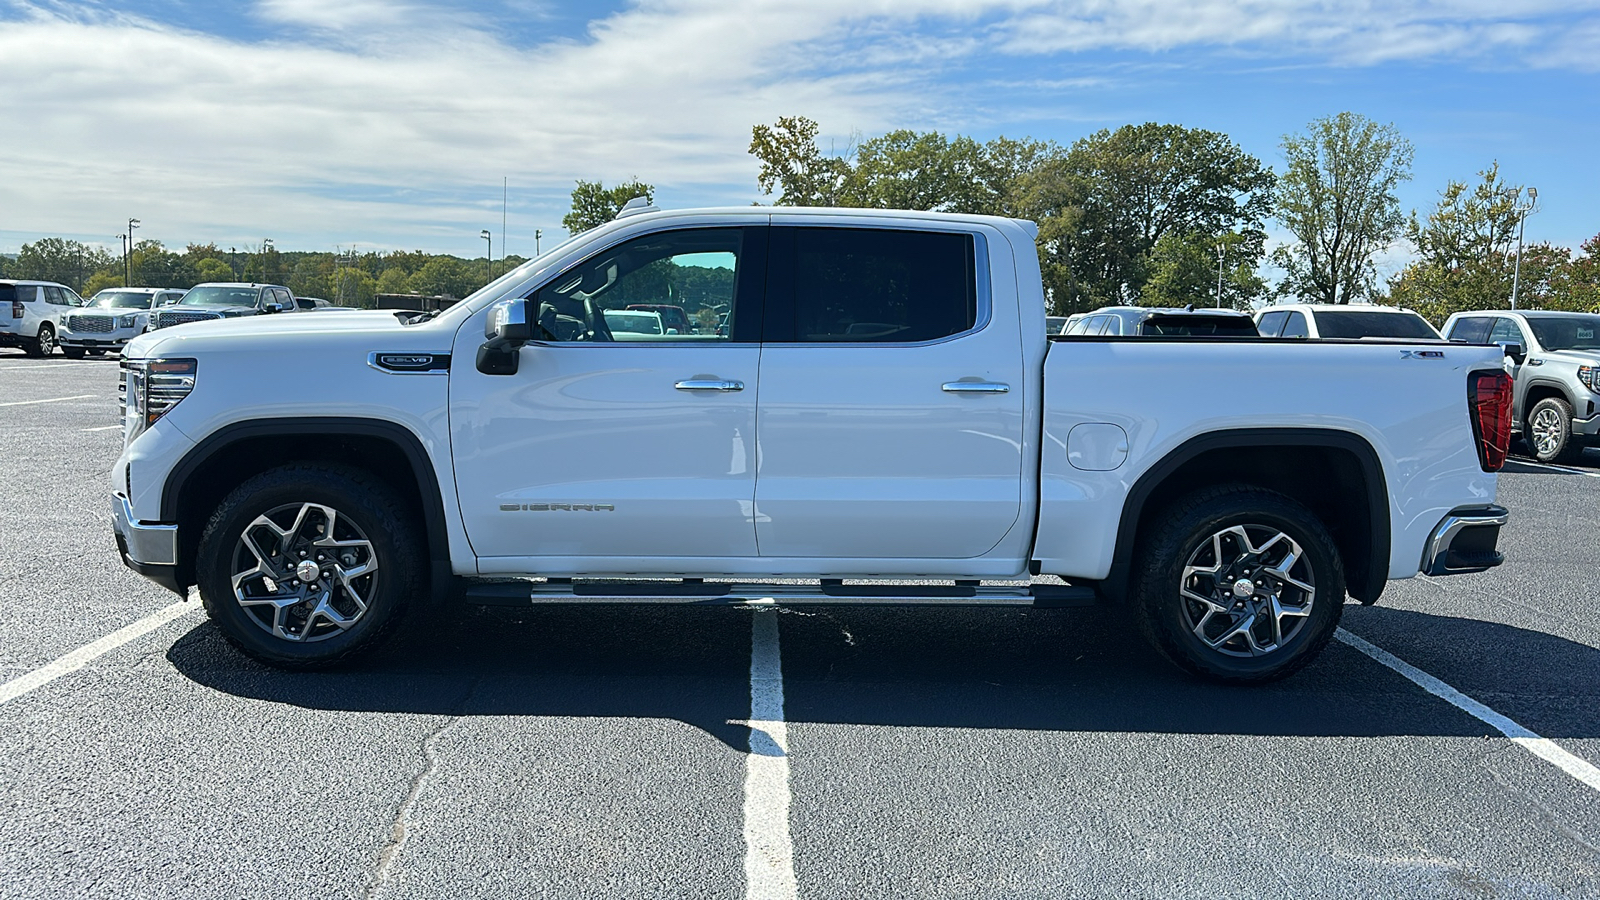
(1590, 376)
(150, 388)
(128, 321)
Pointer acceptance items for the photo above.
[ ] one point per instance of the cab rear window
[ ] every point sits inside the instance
(1222, 326)
(1374, 324)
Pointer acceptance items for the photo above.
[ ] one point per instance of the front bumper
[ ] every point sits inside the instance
(151, 549)
(1589, 427)
(1464, 541)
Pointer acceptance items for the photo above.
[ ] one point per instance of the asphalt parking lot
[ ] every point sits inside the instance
(604, 752)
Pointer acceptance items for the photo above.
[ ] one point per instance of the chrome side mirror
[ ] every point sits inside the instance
(506, 330)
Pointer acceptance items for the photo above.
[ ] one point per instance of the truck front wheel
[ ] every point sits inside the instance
(1239, 585)
(308, 565)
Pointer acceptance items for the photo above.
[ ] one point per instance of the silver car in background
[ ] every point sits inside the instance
(112, 317)
(1554, 361)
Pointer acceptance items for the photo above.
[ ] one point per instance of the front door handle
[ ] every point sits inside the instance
(975, 387)
(695, 384)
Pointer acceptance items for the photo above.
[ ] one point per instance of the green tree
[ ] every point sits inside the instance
(1466, 252)
(1337, 198)
(1184, 270)
(393, 281)
(793, 164)
(1105, 205)
(60, 260)
(594, 204)
(213, 269)
(446, 276)
(353, 286)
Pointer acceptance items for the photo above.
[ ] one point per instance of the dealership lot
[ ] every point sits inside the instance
(941, 753)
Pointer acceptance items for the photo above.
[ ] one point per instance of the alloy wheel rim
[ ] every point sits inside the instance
(304, 572)
(1546, 431)
(1247, 590)
(47, 341)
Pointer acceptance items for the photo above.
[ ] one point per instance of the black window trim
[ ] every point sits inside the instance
(781, 256)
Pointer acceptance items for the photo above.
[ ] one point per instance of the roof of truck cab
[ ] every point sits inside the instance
(820, 212)
(1336, 307)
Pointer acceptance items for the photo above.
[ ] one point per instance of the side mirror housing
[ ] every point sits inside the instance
(272, 308)
(1513, 350)
(506, 330)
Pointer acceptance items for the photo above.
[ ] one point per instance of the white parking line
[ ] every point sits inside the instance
(47, 366)
(86, 654)
(1552, 468)
(1542, 747)
(768, 852)
(103, 428)
(51, 400)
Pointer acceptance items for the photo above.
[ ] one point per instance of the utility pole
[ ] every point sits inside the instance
(266, 244)
(488, 256)
(1222, 250)
(505, 194)
(1522, 209)
(127, 255)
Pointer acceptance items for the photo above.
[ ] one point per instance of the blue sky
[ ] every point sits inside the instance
(327, 123)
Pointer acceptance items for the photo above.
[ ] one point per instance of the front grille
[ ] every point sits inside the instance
(91, 324)
(168, 317)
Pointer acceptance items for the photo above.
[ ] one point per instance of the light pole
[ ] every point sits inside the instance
(1521, 208)
(127, 255)
(1221, 250)
(124, 239)
(488, 256)
(266, 244)
(537, 233)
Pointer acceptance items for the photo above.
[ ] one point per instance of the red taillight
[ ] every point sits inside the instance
(1489, 401)
(16, 309)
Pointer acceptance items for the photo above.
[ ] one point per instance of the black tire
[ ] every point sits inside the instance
(72, 352)
(361, 501)
(41, 345)
(1183, 533)
(1555, 444)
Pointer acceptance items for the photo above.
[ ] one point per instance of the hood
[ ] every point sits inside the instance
(1572, 357)
(291, 331)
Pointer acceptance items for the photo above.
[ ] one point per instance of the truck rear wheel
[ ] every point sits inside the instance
(1239, 585)
(309, 565)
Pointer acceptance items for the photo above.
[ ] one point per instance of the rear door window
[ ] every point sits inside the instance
(1295, 326)
(1472, 329)
(871, 285)
(53, 296)
(8, 294)
(1272, 323)
(1505, 330)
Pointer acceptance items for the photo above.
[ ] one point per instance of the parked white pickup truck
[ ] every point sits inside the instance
(884, 407)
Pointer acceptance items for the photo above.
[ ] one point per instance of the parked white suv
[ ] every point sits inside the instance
(1316, 321)
(30, 313)
(113, 317)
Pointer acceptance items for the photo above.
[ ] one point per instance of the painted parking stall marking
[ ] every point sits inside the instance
(768, 851)
(50, 400)
(88, 653)
(1542, 747)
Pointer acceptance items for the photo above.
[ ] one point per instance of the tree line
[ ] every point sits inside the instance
(349, 278)
(1163, 215)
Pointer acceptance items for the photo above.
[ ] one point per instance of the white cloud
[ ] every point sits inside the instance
(394, 122)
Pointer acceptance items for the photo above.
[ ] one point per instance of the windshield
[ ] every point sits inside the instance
(1226, 326)
(210, 295)
(1576, 332)
(1365, 324)
(121, 300)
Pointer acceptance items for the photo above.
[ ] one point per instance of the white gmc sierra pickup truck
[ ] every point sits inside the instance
(882, 407)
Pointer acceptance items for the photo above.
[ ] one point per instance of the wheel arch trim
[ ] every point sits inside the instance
(411, 447)
(1367, 458)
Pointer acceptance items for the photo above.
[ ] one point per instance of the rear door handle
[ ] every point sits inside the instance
(708, 385)
(975, 387)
